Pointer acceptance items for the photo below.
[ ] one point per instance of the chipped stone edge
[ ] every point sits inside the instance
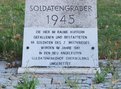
(59, 70)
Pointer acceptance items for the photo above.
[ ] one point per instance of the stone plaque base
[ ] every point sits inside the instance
(60, 70)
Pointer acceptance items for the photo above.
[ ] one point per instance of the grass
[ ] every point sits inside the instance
(100, 77)
(11, 28)
(27, 82)
(12, 24)
(73, 84)
(109, 24)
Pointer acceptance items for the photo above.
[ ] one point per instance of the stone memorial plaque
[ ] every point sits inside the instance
(60, 33)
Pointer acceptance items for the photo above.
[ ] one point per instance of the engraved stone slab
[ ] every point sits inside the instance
(60, 33)
(76, 13)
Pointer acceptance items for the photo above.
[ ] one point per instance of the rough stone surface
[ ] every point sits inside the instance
(9, 78)
(83, 18)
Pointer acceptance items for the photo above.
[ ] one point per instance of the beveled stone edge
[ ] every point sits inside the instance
(59, 70)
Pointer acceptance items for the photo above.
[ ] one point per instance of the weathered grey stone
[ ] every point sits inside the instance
(4, 81)
(42, 16)
(2, 66)
(41, 86)
(84, 81)
(64, 87)
(45, 80)
(9, 87)
(53, 86)
(84, 88)
(8, 80)
(115, 87)
(90, 76)
(109, 76)
(14, 82)
(99, 85)
(107, 85)
(37, 18)
(89, 81)
(85, 85)
(2, 86)
(58, 80)
(83, 78)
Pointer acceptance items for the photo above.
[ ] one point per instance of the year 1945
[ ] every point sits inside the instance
(65, 19)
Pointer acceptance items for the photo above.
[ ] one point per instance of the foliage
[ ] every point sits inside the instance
(109, 20)
(105, 69)
(11, 28)
(100, 77)
(27, 82)
(109, 68)
(73, 84)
